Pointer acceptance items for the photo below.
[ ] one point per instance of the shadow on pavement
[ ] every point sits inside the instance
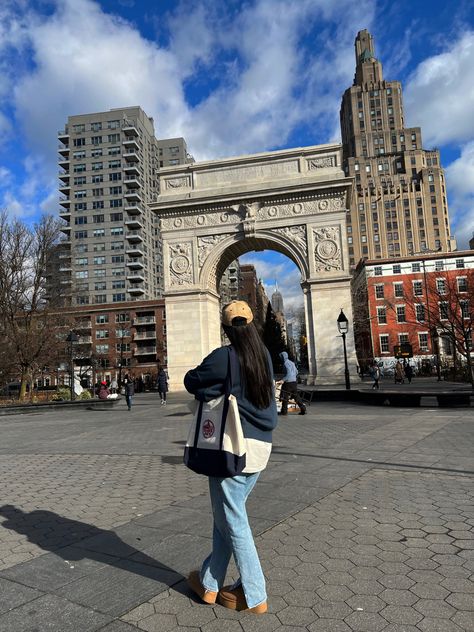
(73, 540)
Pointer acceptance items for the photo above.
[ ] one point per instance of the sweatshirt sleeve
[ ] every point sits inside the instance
(207, 380)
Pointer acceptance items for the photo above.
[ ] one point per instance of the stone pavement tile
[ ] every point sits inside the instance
(465, 620)
(123, 542)
(462, 601)
(178, 519)
(293, 615)
(116, 590)
(438, 625)
(54, 614)
(119, 626)
(275, 510)
(329, 625)
(365, 622)
(54, 570)
(13, 595)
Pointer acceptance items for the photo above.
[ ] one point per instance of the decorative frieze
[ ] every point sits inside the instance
(323, 162)
(327, 249)
(306, 207)
(177, 183)
(247, 173)
(181, 271)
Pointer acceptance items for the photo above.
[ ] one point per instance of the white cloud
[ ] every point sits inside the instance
(439, 95)
(460, 182)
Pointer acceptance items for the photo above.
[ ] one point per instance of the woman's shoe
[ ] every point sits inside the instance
(234, 599)
(194, 582)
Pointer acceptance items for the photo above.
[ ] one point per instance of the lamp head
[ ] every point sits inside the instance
(342, 323)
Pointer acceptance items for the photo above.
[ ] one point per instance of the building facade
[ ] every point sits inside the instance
(425, 302)
(108, 172)
(399, 206)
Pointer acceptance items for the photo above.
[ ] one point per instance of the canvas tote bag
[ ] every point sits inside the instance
(216, 444)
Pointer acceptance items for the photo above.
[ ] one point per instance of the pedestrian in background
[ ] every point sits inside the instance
(162, 383)
(103, 390)
(408, 372)
(399, 374)
(289, 386)
(254, 391)
(129, 391)
(375, 372)
(114, 385)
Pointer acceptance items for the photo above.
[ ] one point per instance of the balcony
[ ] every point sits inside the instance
(66, 229)
(135, 278)
(131, 144)
(64, 176)
(63, 150)
(129, 128)
(64, 163)
(144, 320)
(65, 188)
(132, 196)
(63, 268)
(134, 251)
(64, 200)
(132, 168)
(132, 182)
(133, 209)
(84, 340)
(63, 135)
(65, 214)
(145, 335)
(135, 290)
(66, 281)
(133, 223)
(135, 264)
(134, 236)
(131, 156)
(83, 324)
(64, 255)
(144, 350)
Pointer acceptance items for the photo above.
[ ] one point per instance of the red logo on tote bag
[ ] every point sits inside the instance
(208, 429)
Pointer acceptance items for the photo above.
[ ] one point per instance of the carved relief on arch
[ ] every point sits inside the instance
(295, 234)
(327, 249)
(181, 269)
(206, 244)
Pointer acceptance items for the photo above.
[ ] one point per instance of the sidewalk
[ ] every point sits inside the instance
(365, 519)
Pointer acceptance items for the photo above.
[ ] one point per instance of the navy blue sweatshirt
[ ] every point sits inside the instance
(207, 382)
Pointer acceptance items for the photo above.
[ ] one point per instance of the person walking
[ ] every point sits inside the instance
(129, 391)
(253, 387)
(103, 390)
(289, 386)
(375, 375)
(399, 375)
(114, 385)
(162, 383)
(408, 371)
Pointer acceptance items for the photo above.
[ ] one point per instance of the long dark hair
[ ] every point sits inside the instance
(255, 371)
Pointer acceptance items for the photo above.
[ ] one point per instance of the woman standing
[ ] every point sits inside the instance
(254, 391)
(129, 388)
(162, 383)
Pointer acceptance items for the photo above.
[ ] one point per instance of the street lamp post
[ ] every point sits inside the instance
(343, 326)
(71, 338)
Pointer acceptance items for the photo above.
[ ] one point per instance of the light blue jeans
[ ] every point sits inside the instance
(232, 536)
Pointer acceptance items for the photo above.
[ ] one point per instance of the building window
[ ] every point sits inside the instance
(115, 164)
(97, 205)
(97, 192)
(381, 315)
(397, 268)
(116, 175)
(102, 349)
(118, 258)
(115, 203)
(378, 271)
(420, 313)
(439, 265)
(443, 310)
(462, 284)
(118, 285)
(114, 138)
(415, 267)
(96, 127)
(384, 343)
(96, 153)
(80, 234)
(423, 341)
(417, 288)
(464, 309)
(100, 272)
(401, 318)
(115, 190)
(117, 298)
(459, 263)
(98, 219)
(116, 230)
(102, 319)
(116, 245)
(96, 140)
(398, 290)
(80, 127)
(441, 286)
(100, 298)
(122, 318)
(113, 151)
(102, 333)
(82, 274)
(82, 261)
(99, 261)
(403, 339)
(118, 272)
(80, 220)
(379, 291)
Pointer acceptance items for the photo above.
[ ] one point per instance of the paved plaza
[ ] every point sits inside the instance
(364, 521)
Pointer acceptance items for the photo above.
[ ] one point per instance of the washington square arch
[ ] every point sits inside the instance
(293, 201)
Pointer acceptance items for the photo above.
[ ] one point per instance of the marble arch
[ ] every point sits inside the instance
(292, 201)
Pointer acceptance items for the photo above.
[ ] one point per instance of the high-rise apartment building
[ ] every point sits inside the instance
(399, 205)
(109, 163)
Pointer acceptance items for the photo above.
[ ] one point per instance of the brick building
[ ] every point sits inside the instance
(425, 301)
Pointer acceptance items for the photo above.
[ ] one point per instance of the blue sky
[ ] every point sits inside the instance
(232, 77)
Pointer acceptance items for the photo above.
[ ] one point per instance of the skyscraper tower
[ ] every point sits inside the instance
(108, 172)
(277, 300)
(399, 205)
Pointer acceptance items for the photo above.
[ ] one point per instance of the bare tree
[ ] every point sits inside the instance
(27, 321)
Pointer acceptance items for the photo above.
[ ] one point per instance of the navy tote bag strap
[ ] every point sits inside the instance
(232, 370)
